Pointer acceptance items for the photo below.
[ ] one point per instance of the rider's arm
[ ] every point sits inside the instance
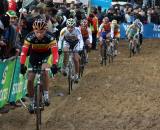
(61, 38)
(90, 35)
(54, 50)
(24, 52)
(128, 29)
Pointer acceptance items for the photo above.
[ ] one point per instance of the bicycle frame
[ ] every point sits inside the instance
(71, 70)
(104, 52)
(38, 93)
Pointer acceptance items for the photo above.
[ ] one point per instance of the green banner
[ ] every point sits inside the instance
(6, 75)
(18, 89)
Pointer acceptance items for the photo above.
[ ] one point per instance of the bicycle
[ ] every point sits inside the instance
(70, 70)
(112, 49)
(134, 45)
(38, 95)
(104, 52)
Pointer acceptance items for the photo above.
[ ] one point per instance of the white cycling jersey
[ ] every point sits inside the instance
(66, 36)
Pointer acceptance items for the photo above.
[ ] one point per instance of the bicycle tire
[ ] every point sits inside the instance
(104, 53)
(38, 110)
(70, 82)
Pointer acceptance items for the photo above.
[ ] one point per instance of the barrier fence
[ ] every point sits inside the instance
(12, 83)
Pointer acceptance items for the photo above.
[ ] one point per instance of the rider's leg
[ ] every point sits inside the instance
(30, 85)
(100, 47)
(45, 84)
(65, 56)
(76, 59)
(87, 47)
(30, 88)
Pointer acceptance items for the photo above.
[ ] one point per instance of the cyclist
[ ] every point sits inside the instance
(115, 33)
(132, 31)
(71, 37)
(140, 26)
(41, 44)
(104, 33)
(87, 37)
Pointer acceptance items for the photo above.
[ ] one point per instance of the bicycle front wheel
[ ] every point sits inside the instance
(104, 54)
(37, 108)
(70, 81)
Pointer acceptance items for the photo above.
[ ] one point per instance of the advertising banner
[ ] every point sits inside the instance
(6, 75)
(18, 89)
(103, 3)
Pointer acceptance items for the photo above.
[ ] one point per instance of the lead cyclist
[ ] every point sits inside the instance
(71, 36)
(41, 44)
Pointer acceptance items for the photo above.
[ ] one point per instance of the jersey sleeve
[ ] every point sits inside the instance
(54, 50)
(25, 47)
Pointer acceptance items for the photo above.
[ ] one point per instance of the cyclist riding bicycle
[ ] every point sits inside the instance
(140, 26)
(104, 33)
(132, 31)
(87, 36)
(71, 37)
(41, 43)
(115, 33)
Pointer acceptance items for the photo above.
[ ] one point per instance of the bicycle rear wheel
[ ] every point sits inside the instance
(37, 108)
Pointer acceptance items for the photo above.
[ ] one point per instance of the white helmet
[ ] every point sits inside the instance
(71, 22)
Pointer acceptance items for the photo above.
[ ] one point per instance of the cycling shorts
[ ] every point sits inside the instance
(105, 34)
(35, 58)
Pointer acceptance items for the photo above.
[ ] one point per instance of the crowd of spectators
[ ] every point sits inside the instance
(128, 13)
(12, 36)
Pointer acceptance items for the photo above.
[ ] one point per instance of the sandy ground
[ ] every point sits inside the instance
(124, 95)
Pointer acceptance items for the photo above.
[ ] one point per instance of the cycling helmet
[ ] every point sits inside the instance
(84, 23)
(71, 22)
(114, 21)
(39, 24)
(105, 19)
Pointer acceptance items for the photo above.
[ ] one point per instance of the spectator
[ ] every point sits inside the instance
(10, 34)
